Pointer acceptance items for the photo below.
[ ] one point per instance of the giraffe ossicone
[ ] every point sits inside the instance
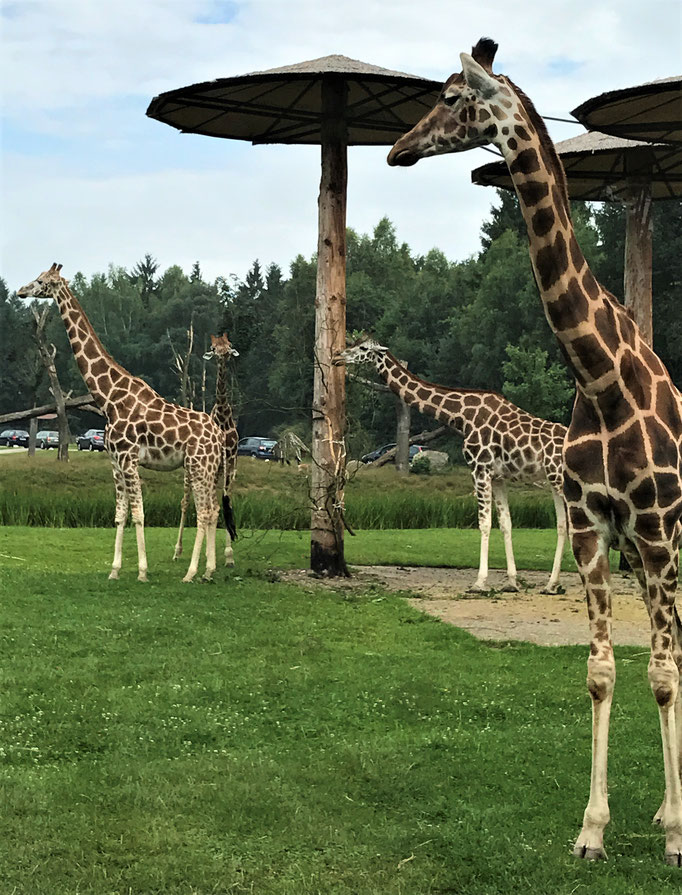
(501, 443)
(623, 449)
(143, 429)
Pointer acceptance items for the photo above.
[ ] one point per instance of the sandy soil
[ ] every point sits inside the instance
(546, 619)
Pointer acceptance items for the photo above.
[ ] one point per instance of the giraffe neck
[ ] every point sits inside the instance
(445, 404)
(222, 411)
(99, 370)
(579, 311)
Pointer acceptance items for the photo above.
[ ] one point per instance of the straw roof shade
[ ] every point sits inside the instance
(651, 112)
(599, 166)
(336, 102)
(284, 105)
(602, 168)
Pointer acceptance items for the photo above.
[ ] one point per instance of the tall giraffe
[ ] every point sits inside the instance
(222, 415)
(142, 429)
(622, 453)
(502, 443)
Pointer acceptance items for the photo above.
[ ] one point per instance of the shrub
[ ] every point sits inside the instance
(421, 466)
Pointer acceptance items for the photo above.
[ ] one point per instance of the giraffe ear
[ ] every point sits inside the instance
(477, 77)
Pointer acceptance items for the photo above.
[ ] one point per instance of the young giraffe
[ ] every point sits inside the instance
(222, 415)
(142, 429)
(622, 452)
(502, 443)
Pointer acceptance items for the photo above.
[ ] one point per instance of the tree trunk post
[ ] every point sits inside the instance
(402, 437)
(639, 255)
(32, 432)
(328, 413)
(47, 355)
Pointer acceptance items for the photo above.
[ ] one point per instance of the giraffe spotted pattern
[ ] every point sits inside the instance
(502, 444)
(623, 449)
(143, 429)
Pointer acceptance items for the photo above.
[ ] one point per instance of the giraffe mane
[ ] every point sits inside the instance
(546, 142)
(448, 388)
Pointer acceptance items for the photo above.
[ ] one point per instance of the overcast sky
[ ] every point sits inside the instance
(88, 179)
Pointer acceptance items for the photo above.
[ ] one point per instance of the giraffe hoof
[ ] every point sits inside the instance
(589, 854)
(143, 578)
(205, 580)
(673, 859)
(477, 588)
(510, 588)
(113, 575)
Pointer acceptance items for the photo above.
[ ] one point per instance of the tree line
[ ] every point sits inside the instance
(474, 323)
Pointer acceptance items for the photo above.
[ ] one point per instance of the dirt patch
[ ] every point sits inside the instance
(546, 619)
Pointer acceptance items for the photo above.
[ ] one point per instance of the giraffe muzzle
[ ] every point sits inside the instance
(403, 158)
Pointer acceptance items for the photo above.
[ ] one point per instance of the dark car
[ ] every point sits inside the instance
(93, 440)
(47, 439)
(379, 452)
(14, 437)
(257, 447)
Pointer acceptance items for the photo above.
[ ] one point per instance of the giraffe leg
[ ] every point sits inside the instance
(210, 546)
(592, 557)
(227, 489)
(120, 520)
(504, 518)
(664, 678)
(635, 562)
(204, 501)
(560, 510)
(134, 491)
(483, 487)
(183, 514)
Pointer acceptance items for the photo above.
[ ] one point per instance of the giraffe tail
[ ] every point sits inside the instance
(228, 517)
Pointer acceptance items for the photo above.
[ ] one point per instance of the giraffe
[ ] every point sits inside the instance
(622, 454)
(502, 443)
(222, 415)
(142, 429)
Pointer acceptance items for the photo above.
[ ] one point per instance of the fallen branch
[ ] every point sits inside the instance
(82, 402)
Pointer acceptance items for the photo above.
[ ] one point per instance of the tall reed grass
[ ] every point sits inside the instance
(266, 510)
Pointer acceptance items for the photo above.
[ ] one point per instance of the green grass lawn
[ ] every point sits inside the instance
(253, 736)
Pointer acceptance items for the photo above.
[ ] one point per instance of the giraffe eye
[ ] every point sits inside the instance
(451, 99)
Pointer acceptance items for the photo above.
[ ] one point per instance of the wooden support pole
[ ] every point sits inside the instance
(328, 462)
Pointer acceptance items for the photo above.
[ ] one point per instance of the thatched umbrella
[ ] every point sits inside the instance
(336, 102)
(651, 112)
(610, 169)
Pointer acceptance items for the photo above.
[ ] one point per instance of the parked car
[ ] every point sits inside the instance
(257, 447)
(93, 440)
(14, 437)
(47, 439)
(379, 452)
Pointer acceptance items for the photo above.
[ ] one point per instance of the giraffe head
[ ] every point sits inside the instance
(46, 285)
(221, 347)
(363, 350)
(475, 108)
